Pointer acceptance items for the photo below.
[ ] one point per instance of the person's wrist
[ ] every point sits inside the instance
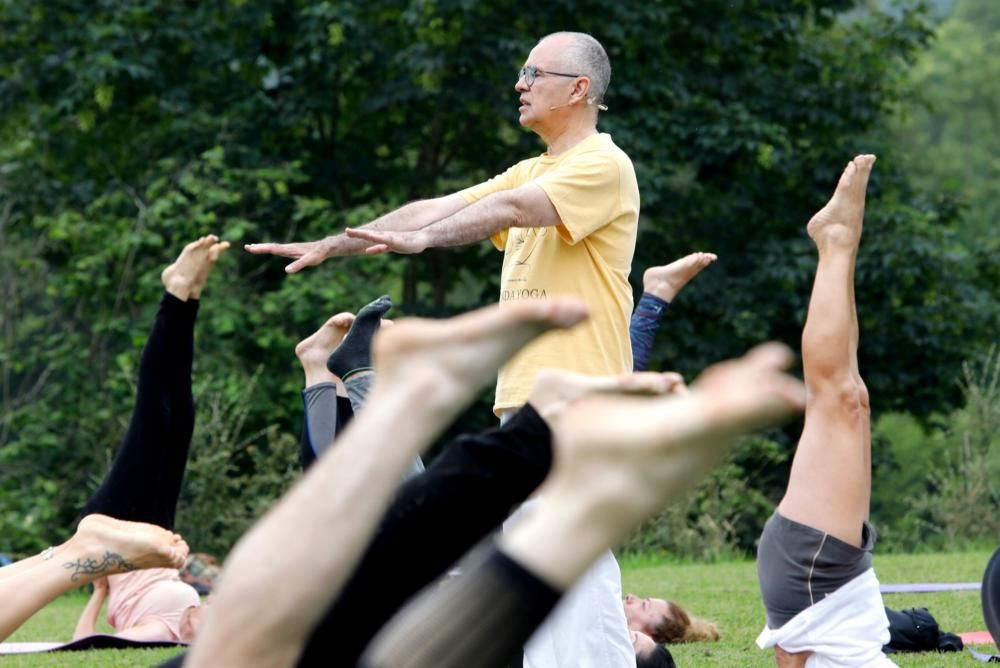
(331, 246)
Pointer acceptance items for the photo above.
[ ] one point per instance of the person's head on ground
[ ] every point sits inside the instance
(562, 84)
(649, 654)
(666, 622)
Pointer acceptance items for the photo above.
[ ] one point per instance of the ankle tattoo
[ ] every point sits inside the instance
(111, 562)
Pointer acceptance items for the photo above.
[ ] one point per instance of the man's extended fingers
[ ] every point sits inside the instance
(310, 259)
(283, 250)
(377, 249)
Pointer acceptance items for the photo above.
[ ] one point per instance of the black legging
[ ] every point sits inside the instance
(144, 481)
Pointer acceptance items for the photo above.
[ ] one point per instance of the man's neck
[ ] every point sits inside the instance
(565, 138)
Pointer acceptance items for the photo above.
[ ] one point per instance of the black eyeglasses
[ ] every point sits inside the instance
(529, 73)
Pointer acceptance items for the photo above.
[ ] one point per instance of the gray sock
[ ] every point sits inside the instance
(355, 352)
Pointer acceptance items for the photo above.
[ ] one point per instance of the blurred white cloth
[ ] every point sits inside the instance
(846, 629)
(587, 629)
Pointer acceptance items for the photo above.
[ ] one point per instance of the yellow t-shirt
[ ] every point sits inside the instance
(594, 189)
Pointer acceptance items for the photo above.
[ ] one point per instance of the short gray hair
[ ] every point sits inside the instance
(587, 55)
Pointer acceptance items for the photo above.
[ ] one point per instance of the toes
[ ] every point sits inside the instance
(567, 312)
(770, 355)
(217, 249)
(342, 320)
(674, 383)
(847, 178)
(865, 163)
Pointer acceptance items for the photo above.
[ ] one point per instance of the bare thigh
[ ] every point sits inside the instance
(829, 487)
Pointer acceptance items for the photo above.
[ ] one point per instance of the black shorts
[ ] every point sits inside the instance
(798, 566)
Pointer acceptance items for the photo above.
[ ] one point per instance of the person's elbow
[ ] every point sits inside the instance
(530, 206)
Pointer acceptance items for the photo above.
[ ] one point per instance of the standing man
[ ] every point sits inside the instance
(566, 220)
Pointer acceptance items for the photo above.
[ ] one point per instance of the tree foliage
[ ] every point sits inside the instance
(128, 127)
(942, 129)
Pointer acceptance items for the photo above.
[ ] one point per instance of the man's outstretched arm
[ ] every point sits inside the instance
(410, 217)
(525, 206)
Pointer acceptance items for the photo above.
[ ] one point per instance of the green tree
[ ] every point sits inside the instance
(128, 127)
(944, 131)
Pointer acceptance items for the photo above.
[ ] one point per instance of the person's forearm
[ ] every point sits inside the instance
(414, 216)
(87, 625)
(477, 222)
(408, 218)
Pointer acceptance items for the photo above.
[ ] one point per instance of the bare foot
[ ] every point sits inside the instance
(636, 453)
(313, 350)
(180, 277)
(555, 389)
(452, 359)
(214, 251)
(839, 222)
(103, 545)
(666, 281)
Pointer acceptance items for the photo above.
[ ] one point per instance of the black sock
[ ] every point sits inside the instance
(354, 352)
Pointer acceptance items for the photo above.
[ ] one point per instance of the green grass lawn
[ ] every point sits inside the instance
(56, 622)
(725, 592)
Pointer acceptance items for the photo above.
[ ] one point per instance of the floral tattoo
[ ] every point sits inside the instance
(111, 562)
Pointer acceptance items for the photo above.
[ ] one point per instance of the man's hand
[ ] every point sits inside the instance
(394, 242)
(308, 253)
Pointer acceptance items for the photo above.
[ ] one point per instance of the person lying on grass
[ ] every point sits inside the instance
(341, 347)
(125, 544)
(144, 480)
(428, 371)
(814, 559)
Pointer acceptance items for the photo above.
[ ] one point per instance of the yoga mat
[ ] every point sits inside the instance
(976, 638)
(927, 587)
(985, 658)
(99, 641)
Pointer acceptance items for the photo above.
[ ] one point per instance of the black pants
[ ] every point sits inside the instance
(144, 481)
(435, 518)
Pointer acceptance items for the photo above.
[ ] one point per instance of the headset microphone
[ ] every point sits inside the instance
(602, 107)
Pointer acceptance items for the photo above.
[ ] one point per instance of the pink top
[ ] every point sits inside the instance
(151, 594)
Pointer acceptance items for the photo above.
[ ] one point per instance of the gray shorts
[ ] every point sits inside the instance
(798, 566)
